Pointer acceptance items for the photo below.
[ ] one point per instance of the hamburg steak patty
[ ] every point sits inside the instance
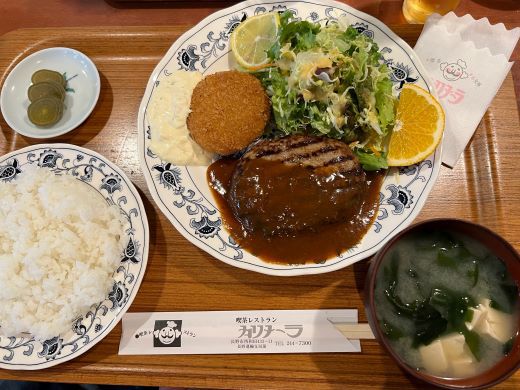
(296, 183)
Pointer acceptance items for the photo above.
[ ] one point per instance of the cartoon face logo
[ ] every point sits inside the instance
(454, 71)
(167, 333)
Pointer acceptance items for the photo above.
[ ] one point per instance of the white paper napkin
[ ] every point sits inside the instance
(238, 332)
(467, 60)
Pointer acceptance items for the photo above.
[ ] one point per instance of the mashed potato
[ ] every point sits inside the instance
(60, 243)
(167, 113)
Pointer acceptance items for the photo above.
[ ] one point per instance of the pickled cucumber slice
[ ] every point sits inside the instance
(48, 75)
(46, 89)
(45, 111)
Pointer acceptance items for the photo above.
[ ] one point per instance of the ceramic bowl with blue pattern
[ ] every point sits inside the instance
(97, 172)
(182, 192)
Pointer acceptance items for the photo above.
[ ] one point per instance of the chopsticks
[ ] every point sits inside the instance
(355, 331)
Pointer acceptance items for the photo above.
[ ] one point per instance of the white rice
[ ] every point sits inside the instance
(60, 243)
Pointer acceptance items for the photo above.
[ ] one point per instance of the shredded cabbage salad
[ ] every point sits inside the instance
(331, 81)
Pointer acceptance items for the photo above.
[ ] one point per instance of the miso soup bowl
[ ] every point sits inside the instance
(497, 245)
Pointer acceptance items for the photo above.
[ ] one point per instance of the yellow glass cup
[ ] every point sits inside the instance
(417, 11)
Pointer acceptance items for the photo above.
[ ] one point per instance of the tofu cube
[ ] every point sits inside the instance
(501, 325)
(433, 358)
(478, 317)
(448, 356)
(453, 346)
(463, 368)
(488, 321)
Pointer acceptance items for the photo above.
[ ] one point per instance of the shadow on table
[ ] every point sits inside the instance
(169, 4)
(499, 4)
(370, 7)
(21, 385)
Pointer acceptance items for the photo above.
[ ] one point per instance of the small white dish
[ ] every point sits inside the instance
(83, 79)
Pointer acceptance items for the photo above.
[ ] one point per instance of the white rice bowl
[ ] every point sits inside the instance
(60, 243)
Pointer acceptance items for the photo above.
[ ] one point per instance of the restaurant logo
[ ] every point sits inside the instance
(167, 333)
(454, 71)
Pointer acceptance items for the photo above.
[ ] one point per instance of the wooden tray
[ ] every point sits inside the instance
(483, 187)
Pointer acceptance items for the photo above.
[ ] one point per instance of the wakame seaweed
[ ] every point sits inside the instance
(510, 290)
(434, 293)
(508, 346)
(391, 331)
(442, 310)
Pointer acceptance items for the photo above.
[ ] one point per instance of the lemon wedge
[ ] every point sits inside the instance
(252, 38)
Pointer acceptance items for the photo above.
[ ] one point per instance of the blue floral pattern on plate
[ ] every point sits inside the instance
(97, 172)
(182, 192)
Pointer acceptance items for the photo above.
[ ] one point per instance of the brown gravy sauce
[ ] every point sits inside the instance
(306, 246)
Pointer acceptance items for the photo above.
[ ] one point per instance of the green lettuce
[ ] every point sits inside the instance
(331, 81)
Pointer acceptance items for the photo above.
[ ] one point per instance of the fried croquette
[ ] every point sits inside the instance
(229, 110)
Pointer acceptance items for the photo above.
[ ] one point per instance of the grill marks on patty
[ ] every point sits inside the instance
(332, 156)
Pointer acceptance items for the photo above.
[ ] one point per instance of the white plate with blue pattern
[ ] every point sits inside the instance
(182, 193)
(94, 170)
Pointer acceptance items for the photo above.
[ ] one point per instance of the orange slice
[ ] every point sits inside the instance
(418, 128)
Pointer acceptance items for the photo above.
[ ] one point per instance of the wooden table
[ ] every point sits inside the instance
(484, 187)
(66, 13)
